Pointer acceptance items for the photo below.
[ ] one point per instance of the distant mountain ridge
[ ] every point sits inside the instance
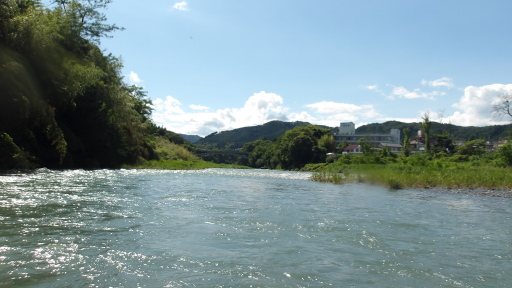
(236, 138)
(191, 138)
(462, 133)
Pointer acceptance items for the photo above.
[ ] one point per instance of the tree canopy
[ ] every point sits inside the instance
(62, 101)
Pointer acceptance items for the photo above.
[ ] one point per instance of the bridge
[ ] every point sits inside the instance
(223, 152)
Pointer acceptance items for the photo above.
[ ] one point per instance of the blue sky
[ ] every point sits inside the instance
(218, 65)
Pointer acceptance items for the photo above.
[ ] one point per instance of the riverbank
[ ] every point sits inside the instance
(182, 165)
(461, 179)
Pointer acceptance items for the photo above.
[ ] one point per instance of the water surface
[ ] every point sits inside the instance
(243, 228)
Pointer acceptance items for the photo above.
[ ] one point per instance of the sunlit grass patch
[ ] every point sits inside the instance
(330, 177)
(399, 176)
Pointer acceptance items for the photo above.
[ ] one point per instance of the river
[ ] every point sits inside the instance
(243, 228)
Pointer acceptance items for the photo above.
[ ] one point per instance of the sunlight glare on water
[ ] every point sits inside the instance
(243, 228)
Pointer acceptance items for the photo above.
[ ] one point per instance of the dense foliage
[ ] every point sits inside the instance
(296, 148)
(468, 167)
(461, 133)
(236, 138)
(62, 100)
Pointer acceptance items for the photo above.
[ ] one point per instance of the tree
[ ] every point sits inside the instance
(505, 152)
(443, 143)
(407, 146)
(327, 141)
(502, 108)
(340, 147)
(426, 129)
(86, 20)
(63, 102)
(142, 104)
(258, 152)
(366, 146)
(473, 147)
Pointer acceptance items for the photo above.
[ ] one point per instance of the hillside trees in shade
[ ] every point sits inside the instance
(62, 100)
(238, 137)
(296, 148)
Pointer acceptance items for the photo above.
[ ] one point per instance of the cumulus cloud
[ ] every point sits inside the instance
(333, 112)
(170, 105)
(441, 82)
(475, 106)
(258, 109)
(180, 6)
(134, 78)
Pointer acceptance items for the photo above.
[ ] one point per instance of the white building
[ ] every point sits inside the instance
(347, 133)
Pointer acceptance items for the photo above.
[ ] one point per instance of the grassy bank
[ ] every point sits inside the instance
(181, 165)
(417, 173)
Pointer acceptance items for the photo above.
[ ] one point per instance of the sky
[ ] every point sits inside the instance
(211, 66)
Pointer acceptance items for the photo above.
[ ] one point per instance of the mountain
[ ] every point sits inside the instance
(462, 133)
(238, 137)
(191, 138)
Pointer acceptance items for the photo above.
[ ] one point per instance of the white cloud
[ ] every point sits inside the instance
(260, 108)
(373, 88)
(170, 105)
(302, 116)
(332, 113)
(198, 107)
(405, 120)
(134, 78)
(475, 106)
(402, 92)
(327, 107)
(392, 91)
(441, 82)
(180, 6)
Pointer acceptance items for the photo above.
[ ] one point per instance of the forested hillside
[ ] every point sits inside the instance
(236, 138)
(460, 133)
(63, 103)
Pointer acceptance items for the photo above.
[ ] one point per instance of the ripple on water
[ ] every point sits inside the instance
(237, 228)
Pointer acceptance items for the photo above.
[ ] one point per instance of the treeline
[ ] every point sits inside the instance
(63, 103)
(467, 166)
(296, 148)
(308, 148)
(236, 138)
(457, 133)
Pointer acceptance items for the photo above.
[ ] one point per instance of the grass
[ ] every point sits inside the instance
(330, 177)
(175, 157)
(181, 165)
(429, 175)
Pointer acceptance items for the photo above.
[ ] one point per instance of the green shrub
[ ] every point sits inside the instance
(12, 157)
(505, 153)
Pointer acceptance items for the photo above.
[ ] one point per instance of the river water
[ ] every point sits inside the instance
(243, 228)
